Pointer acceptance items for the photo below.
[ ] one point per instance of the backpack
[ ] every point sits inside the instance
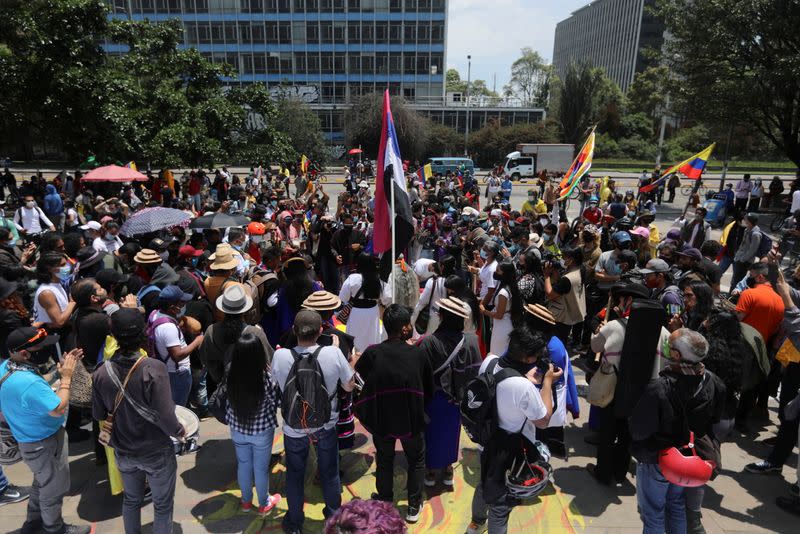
(305, 401)
(255, 284)
(764, 246)
(479, 404)
(144, 291)
(152, 324)
(457, 372)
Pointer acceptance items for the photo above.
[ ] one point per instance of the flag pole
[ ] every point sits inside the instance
(393, 220)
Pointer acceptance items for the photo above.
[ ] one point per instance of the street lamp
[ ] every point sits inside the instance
(469, 81)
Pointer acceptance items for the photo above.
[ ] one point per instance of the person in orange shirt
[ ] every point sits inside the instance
(760, 306)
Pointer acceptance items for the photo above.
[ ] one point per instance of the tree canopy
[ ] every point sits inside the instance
(530, 79)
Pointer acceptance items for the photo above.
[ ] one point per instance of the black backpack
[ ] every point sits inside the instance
(305, 401)
(479, 405)
(764, 246)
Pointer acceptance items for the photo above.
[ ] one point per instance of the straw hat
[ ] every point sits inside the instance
(223, 259)
(322, 301)
(147, 256)
(540, 312)
(234, 300)
(293, 258)
(454, 306)
(535, 240)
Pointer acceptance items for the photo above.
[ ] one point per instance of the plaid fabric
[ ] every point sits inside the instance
(265, 418)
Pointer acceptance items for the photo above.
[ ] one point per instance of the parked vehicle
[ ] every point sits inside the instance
(530, 159)
(442, 165)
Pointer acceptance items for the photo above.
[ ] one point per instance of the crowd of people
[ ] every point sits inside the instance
(285, 321)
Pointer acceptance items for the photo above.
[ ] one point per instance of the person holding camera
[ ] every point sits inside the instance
(564, 289)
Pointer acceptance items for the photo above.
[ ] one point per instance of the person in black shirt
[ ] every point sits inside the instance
(398, 382)
(346, 244)
(710, 250)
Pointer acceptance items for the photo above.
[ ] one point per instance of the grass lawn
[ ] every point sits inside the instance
(630, 165)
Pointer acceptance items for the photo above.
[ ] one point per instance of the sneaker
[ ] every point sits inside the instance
(272, 502)
(476, 528)
(430, 479)
(763, 467)
(413, 513)
(447, 479)
(245, 506)
(14, 494)
(76, 529)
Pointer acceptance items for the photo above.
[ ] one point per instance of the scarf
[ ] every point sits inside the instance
(686, 368)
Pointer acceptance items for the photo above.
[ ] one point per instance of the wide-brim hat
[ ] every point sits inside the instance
(290, 260)
(455, 306)
(223, 258)
(540, 312)
(146, 256)
(234, 300)
(535, 240)
(88, 256)
(322, 301)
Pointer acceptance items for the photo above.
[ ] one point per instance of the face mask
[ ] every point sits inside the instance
(751, 282)
(257, 239)
(273, 203)
(531, 197)
(446, 205)
(64, 272)
(484, 255)
(547, 238)
(743, 224)
(39, 357)
(30, 204)
(181, 312)
(511, 224)
(109, 236)
(587, 237)
(347, 227)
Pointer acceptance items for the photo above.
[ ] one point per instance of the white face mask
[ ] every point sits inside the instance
(30, 204)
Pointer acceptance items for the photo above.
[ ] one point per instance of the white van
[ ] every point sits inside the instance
(519, 167)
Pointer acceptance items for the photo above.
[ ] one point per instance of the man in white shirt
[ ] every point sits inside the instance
(335, 370)
(30, 219)
(795, 202)
(168, 343)
(524, 403)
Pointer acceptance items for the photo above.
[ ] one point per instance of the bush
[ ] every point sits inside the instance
(493, 142)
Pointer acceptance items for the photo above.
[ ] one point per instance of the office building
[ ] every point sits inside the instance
(325, 52)
(612, 34)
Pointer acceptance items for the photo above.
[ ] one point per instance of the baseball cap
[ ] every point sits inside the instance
(173, 294)
(27, 337)
(655, 266)
(91, 225)
(188, 251)
(691, 253)
(127, 322)
(621, 237)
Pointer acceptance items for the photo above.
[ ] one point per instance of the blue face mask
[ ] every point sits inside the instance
(484, 254)
(446, 205)
(64, 272)
(182, 312)
(546, 238)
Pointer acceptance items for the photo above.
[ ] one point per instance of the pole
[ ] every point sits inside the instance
(469, 82)
(392, 220)
(727, 157)
(694, 191)
(661, 132)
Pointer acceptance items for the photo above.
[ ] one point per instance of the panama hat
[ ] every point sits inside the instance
(322, 301)
(535, 240)
(234, 300)
(455, 306)
(540, 312)
(146, 256)
(223, 259)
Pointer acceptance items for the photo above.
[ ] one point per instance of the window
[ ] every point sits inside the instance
(245, 35)
(423, 32)
(286, 62)
(354, 33)
(339, 63)
(423, 64)
(367, 64)
(216, 32)
(284, 32)
(367, 33)
(354, 63)
(326, 63)
(408, 93)
(247, 63)
(381, 32)
(190, 33)
(382, 64)
(437, 32)
(396, 32)
(300, 61)
(299, 31)
(437, 6)
(326, 32)
(338, 6)
(410, 33)
(423, 5)
(395, 63)
(395, 5)
(148, 6)
(312, 32)
(201, 6)
(338, 31)
(272, 63)
(270, 32)
(312, 61)
(230, 32)
(284, 6)
(203, 33)
(408, 63)
(353, 5)
(257, 32)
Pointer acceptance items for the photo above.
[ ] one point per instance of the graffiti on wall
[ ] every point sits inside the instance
(305, 93)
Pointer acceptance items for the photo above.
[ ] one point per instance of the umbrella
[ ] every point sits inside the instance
(355, 151)
(114, 173)
(154, 219)
(219, 220)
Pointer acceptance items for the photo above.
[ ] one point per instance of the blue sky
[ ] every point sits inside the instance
(493, 31)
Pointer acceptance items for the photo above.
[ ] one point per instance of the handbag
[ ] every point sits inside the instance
(107, 425)
(9, 448)
(80, 392)
(344, 314)
(603, 385)
(424, 315)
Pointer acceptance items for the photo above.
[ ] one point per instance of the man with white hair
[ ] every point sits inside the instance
(686, 398)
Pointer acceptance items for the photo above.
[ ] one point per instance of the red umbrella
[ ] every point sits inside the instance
(114, 173)
(355, 151)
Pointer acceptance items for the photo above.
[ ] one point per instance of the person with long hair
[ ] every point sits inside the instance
(364, 290)
(252, 417)
(295, 288)
(505, 309)
(698, 299)
(434, 291)
(52, 306)
(13, 313)
(531, 284)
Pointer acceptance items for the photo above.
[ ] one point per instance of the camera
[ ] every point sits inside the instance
(555, 261)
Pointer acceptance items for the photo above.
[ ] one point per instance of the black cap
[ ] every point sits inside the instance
(127, 322)
(631, 289)
(27, 337)
(107, 277)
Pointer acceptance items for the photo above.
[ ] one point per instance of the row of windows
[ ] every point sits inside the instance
(329, 63)
(312, 32)
(280, 6)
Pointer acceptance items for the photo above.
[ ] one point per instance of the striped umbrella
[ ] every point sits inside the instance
(151, 220)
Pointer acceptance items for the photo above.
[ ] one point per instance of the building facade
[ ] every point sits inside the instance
(324, 52)
(612, 34)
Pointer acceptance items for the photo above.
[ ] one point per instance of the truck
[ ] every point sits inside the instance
(531, 158)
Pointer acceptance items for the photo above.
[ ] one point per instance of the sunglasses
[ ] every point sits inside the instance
(40, 335)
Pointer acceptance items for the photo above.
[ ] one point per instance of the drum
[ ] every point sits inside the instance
(191, 424)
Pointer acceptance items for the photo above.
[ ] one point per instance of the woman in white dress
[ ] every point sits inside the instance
(505, 309)
(52, 306)
(365, 290)
(434, 292)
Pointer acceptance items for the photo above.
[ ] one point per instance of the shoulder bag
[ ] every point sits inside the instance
(424, 315)
(107, 426)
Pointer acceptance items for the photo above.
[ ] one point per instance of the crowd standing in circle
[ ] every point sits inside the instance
(282, 320)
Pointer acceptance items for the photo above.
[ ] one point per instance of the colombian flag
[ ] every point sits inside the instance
(304, 163)
(423, 173)
(579, 167)
(692, 168)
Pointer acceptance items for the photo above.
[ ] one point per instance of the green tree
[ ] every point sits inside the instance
(363, 126)
(648, 92)
(302, 126)
(493, 142)
(454, 84)
(530, 79)
(442, 141)
(743, 66)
